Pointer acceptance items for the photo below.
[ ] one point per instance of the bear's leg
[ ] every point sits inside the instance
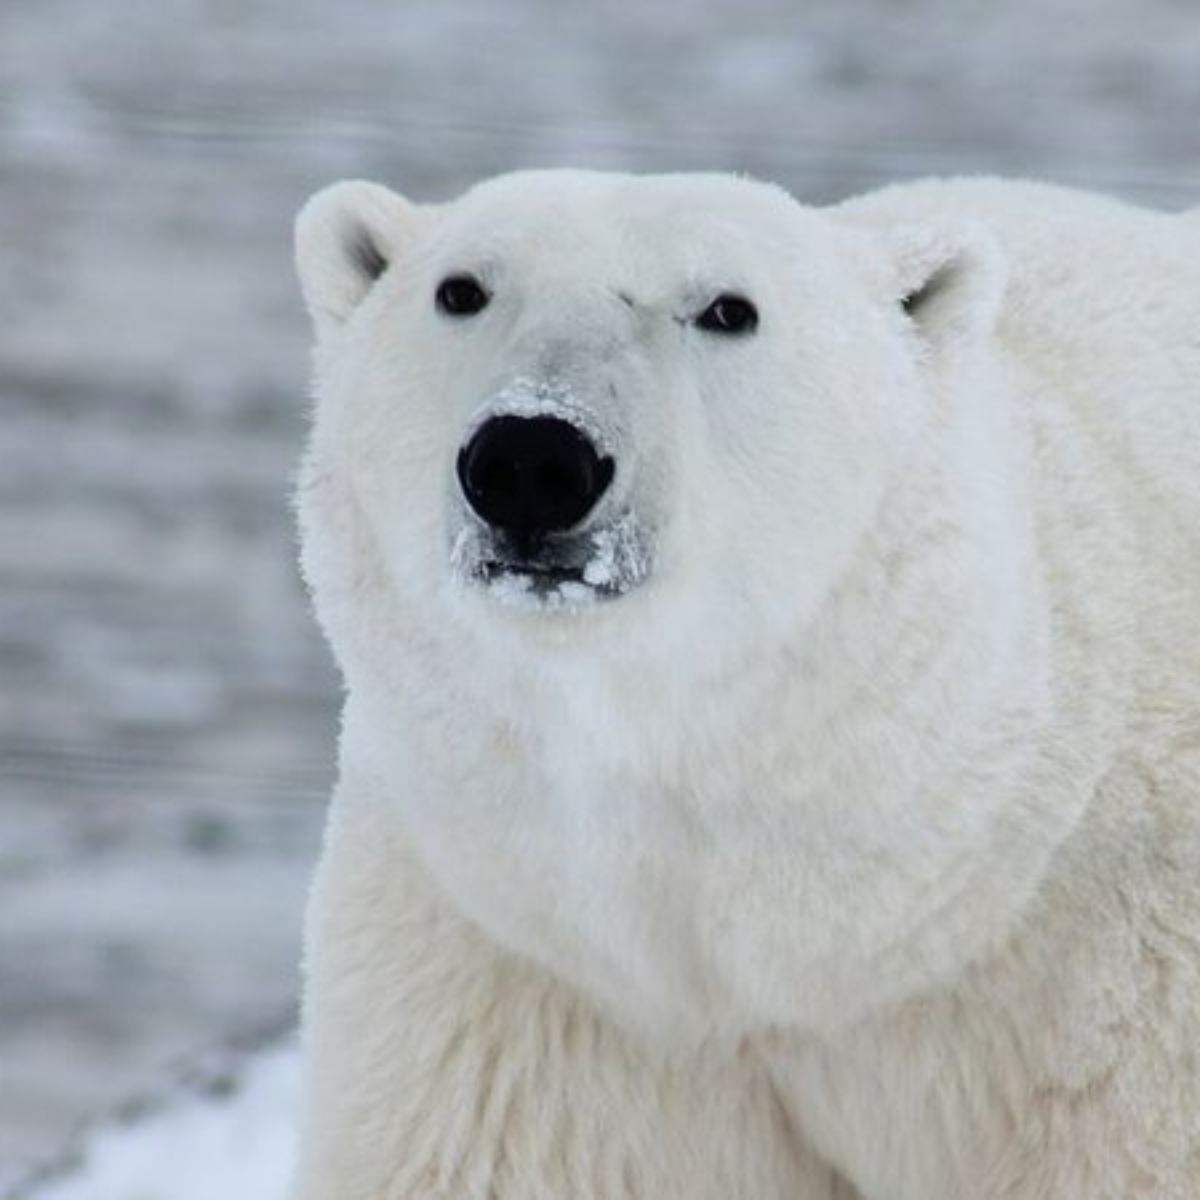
(437, 1066)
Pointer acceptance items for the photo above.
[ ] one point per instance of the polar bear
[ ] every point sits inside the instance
(770, 766)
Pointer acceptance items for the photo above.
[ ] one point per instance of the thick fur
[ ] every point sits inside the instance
(855, 852)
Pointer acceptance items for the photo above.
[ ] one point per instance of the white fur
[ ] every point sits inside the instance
(855, 851)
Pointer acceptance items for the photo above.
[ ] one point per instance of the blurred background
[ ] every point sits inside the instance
(167, 710)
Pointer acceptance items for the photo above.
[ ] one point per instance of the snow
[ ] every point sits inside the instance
(198, 1147)
(620, 560)
(551, 397)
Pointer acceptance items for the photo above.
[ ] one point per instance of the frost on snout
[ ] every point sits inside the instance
(540, 522)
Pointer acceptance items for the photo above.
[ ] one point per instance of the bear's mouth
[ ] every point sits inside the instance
(542, 575)
(563, 571)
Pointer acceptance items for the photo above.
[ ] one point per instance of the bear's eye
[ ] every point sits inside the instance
(461, 296)
(729, 314)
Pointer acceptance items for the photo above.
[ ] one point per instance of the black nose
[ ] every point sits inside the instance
(532, 475)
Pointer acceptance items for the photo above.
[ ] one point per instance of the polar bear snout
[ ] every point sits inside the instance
(531, 476)
(541, 521)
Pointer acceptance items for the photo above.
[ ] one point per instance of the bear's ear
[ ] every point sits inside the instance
(347, 236)
(948, 278)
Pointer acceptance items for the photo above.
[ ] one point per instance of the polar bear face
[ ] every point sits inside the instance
(592, 458)
(567, 390)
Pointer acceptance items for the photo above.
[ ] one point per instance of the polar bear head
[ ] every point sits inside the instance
(629, 402)
(638, 486)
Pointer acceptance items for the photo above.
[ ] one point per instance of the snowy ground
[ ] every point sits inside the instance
(229, 1138)
(166, 710)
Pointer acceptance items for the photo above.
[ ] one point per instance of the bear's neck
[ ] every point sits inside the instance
(885, 764)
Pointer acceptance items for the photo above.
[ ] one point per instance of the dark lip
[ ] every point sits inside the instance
(547, 567)
(550, 574)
